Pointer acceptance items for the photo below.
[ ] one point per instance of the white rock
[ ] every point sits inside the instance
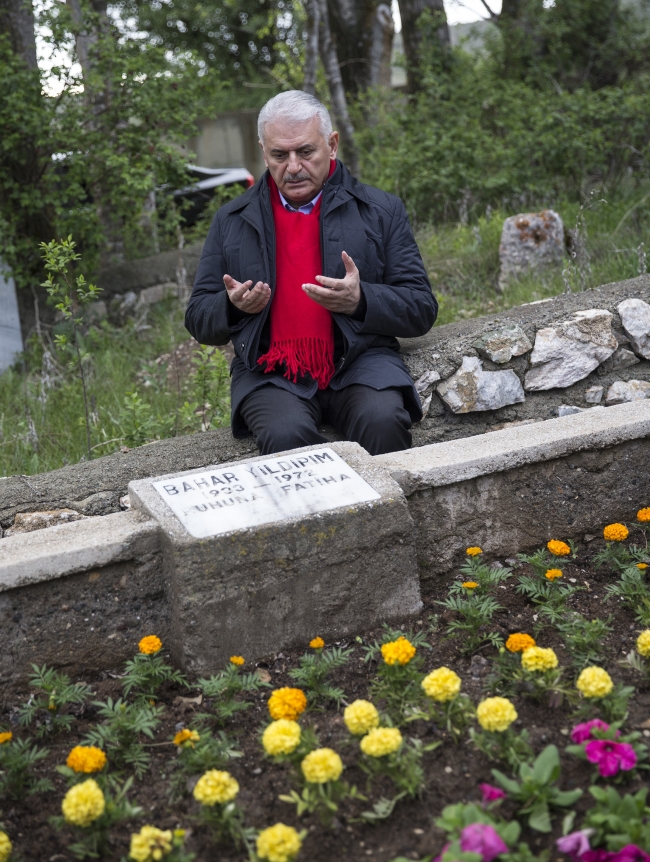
(623, 358)
(569, 351)
(426, 380)
(426, 405)
(635, 317)
(569, 410)
(502, 344)
(471, 388)
(594, 395)
(630, 390)
(530, 241)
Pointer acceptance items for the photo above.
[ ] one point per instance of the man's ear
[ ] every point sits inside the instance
(263, 153)
(333, 144)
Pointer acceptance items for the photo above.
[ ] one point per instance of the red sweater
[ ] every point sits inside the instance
(302, 334)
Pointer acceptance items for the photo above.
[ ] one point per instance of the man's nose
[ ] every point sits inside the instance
(294, 165)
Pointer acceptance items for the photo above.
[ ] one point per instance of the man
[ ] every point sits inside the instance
(313, 275)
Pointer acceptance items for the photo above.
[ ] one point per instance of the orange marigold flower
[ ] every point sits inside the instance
(473, 551)
(186, 738)
(553, 574)
(7, 736)
(469, 585)
(400, 651)
(519, 641)
(643, 515)
(616, 533)
(150, 645)
(317, 643)
(86, 758)
(237, 660)
(558, 549)
(287, 703)
(642, 566)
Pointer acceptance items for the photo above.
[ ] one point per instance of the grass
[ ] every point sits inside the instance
(135, 400)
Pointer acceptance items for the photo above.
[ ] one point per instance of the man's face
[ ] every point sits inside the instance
(298, 157)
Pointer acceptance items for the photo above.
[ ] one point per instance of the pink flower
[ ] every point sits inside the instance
(483, 839)
(597, 856)
(582, 732)
(610, 756)
(575, 844)
(491, 793)
(630, 853)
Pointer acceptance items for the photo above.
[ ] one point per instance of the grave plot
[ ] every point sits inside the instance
(509, 719)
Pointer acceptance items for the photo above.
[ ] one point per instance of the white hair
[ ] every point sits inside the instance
(296, 106)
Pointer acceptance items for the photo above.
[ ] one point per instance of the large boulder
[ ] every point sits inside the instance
(635, 317)
(471, 388)
(530, 241)
(569, 351)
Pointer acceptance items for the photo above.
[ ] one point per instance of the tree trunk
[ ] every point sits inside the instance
(17, 21)
(412, 35)
(337, 92)
(311, 49)
(362, 33)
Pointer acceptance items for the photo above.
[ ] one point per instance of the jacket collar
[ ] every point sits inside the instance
(338, 189)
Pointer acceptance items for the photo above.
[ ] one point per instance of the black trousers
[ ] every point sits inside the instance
(374, 418)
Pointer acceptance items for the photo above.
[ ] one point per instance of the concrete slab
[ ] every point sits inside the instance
(55, 552)
(269, 586)
(459, 460)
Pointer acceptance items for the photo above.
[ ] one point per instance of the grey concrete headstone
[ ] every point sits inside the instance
(11, 340)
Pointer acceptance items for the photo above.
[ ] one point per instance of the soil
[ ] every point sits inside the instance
(453, 772)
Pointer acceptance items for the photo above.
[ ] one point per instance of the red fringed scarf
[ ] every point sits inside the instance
(302, 334)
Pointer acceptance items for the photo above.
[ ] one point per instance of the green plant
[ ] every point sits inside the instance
(510, 747)
(226, 824)
(54, 692)
(209, 752)
(537, 790)
(145, 674)
(18, 757)
(474, 614)
(225, 687)
(70, 297)
(322, 799)
(403, 767)
(615, 555)
(584, 639)
(120, 731)
(474, 569)
(631, 589)
(455, 818)
(314, 668)
(618, 820)
(94, 840)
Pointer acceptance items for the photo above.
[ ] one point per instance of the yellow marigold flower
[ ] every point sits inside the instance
(360, 717)
(321, 765)
(616, 532)
(643, 643)
(150, 645)
(215, 786)
(237, 660)
(287, 703)
(186, 738)
(7, 736)
(553, 574)
(643, 515)
(278, 843)
(151, 844)
(281, 737)
(441, 684)
(83, 803)
(88, 758)
(496, 714)
(594, 682)
(473, 552)
(519, 641)
(642, 566)
(558, 549)
(469, 585)
(317, 643)
(5, 847)
(400, 651)
(537, 658)
(381, 741)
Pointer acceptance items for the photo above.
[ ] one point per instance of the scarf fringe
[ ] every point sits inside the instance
(301, 356)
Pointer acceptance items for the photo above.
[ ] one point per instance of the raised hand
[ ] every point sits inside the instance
(245, 297)
(341, 295)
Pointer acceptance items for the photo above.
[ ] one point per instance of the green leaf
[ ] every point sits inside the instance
(546, 767)
(539, 818)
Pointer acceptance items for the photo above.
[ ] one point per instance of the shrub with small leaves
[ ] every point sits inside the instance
(53, 694)
(314, 670)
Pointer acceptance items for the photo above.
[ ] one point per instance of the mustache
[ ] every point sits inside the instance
(296, 178)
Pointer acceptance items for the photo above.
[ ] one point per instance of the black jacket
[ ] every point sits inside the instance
(373, 228)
